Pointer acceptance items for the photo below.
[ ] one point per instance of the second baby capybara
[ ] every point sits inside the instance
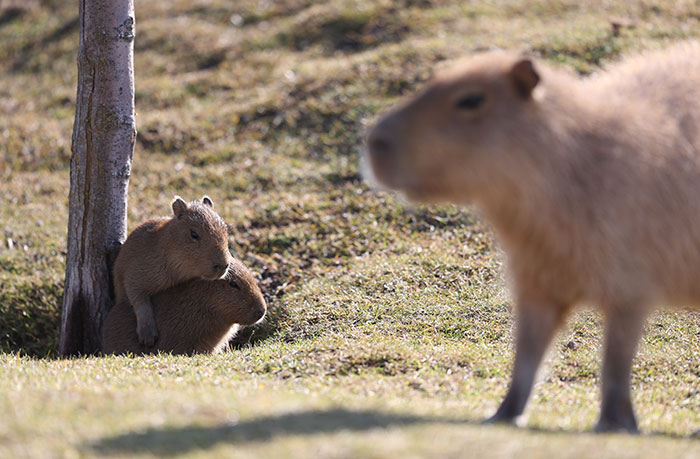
(592, 185)
(199, 316)
(162, 252)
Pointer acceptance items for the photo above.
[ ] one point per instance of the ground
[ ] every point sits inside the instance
(391, 325)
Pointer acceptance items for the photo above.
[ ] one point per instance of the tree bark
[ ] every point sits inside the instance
(103, 145)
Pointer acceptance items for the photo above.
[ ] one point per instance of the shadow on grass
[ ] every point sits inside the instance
(643, 434)
(9, 14)
(35, 48)
(30, 316)
(170, 441)
(30, 319)
(178, 440)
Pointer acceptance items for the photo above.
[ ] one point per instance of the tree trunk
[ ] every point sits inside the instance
(103, 146)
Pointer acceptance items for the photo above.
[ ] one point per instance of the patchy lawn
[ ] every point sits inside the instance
(390, 326)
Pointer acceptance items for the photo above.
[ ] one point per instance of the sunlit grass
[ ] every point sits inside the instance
(390, 326)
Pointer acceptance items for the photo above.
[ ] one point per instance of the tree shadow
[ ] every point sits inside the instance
(30, 316)
(169, 441)
(23, 61)
(9, 14)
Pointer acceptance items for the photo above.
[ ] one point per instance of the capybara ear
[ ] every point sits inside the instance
(179, 207)
(206, 200)
(524, 77)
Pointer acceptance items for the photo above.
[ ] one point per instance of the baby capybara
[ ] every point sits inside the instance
(162, 252)
(592, 185)
(198, 316)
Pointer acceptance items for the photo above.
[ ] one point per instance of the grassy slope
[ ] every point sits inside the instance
(391, 329)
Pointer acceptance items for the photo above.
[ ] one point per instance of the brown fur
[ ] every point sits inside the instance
(164, 252)
(199, 316)
(593, 186)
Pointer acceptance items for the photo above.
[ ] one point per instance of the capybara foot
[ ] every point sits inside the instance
(148, 334)
(617, 415)
(507, 413)
(500, 419)
(619, 422)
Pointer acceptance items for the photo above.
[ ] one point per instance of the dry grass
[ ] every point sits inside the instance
(390, 331)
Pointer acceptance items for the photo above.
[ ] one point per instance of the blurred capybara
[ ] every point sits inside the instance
(198, 316)
(592, 185)
(162, 252)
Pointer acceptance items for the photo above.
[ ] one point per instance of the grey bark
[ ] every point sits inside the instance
(103, 145)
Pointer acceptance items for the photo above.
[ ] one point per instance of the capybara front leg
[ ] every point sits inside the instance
(145, 319)
(623, 328)
(536, 324)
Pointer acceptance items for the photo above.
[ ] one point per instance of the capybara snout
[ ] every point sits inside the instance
(445, 142)
(383, 153)
(244, 296)
(219, 268)
(257, 311)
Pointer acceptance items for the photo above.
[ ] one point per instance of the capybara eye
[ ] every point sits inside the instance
(194, 235)
(470, 101)
(234, 284)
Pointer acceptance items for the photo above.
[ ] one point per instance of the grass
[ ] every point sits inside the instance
(390, 325)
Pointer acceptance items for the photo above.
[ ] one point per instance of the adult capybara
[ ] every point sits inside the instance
(199, 316)
(592, 185)
(162, 252)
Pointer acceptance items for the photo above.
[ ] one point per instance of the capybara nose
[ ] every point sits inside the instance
(258, 311)
(379, 145)
(220, 269)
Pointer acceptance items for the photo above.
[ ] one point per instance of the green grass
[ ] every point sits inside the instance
(390, 325)
(303, 400)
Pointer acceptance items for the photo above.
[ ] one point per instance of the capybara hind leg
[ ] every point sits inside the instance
(536, 324)
(622, 332)
(145, 320)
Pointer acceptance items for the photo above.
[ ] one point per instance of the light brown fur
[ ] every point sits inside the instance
(164, 252)
(592, 185)
(198, 316)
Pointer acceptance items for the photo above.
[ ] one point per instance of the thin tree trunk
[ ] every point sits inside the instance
(103, 145)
